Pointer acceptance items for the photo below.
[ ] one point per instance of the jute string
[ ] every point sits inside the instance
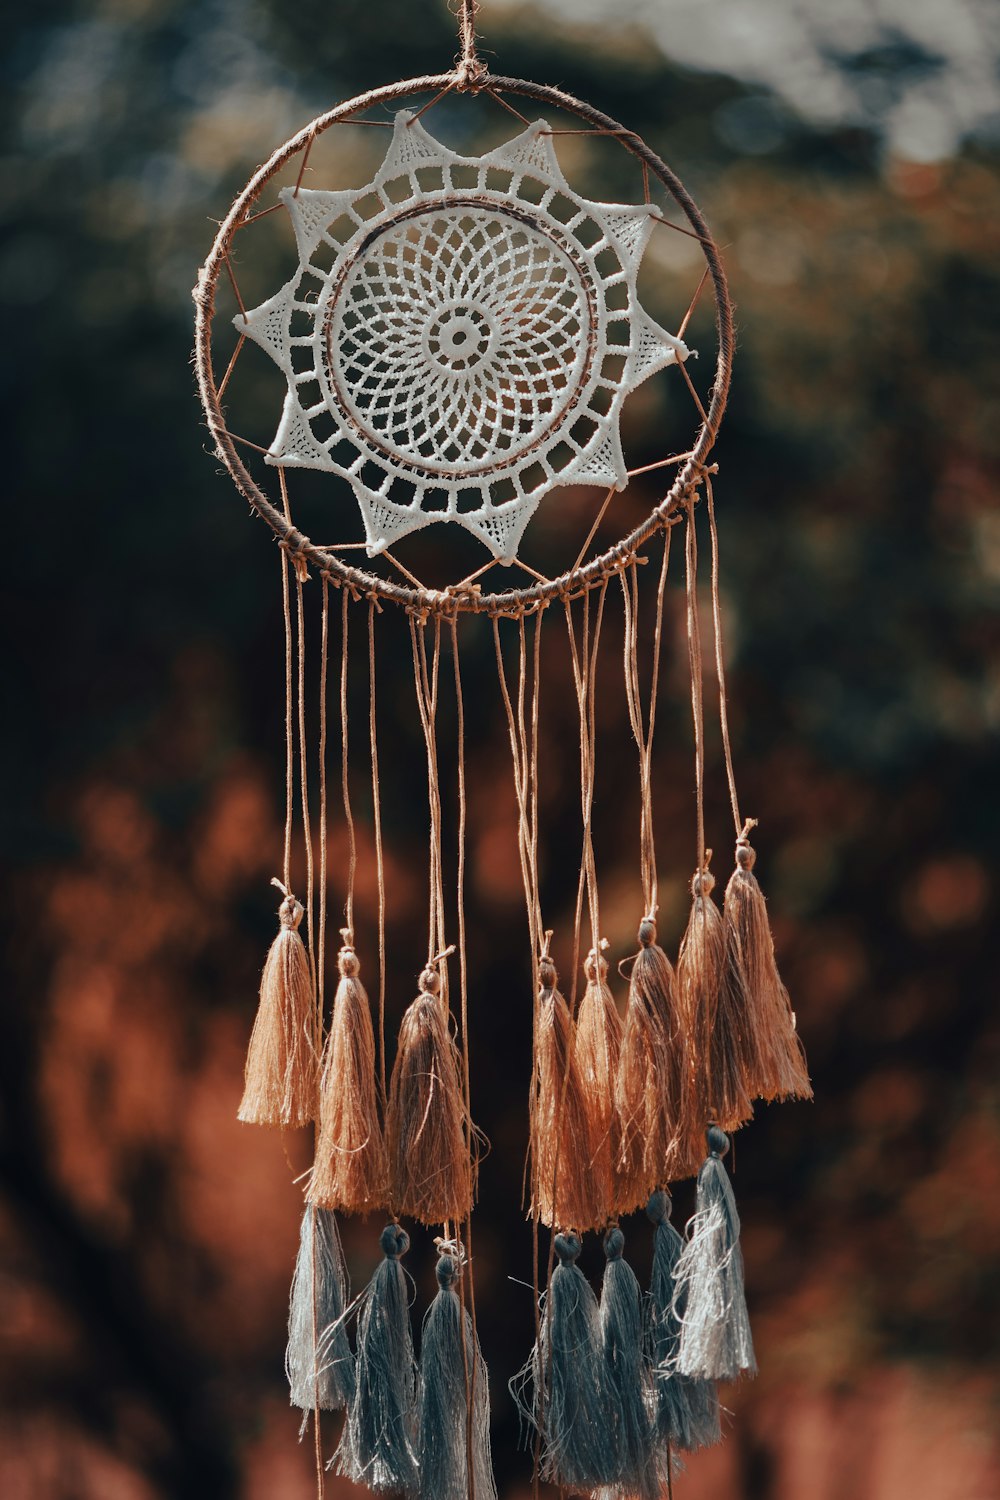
(301, 575)
(352, 843)
(379, 854)
(468, 1290)
(697, 671)
(643, 732)
(426, 677)
(720, 669)
(524, 736)
(470, 68)
(584, 656)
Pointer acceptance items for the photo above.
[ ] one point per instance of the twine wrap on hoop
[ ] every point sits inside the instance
(582, 576)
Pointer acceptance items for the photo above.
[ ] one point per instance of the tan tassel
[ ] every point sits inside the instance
(714, 1021)
(350, 1171)
(563, 1190)
(652, 1088)
(428, 1133)
(598, 1050)
(643, 1147)
(773, 1059)
(282, 1072)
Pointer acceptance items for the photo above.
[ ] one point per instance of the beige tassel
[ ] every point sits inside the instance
(598, 1049)
(643, 1148)
(563, 1190)
(652, 1088)
(713, 1013)
(428, 1132)
(282, 1069)
(773, 1059)
(350, 1170)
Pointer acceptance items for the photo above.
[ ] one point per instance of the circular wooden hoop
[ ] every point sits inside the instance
(507, 601)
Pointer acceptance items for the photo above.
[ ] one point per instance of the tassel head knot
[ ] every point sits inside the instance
(659, 1206)
(746, 856)
(647, 932)
(703, 882)
(347, 962)
(567, 1247)
(718, 1142)
(394, 1241)
(448, 1272)
(290, 913)
(596, 967)
(614, 1243)
(547, 976)
(430, 981)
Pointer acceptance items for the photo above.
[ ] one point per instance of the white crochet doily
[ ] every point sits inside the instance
(459, 336)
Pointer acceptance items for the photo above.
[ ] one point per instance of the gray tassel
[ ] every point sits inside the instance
(621, 1329)
(318, 1360)
(564, 1391)
(715, 1341)
(377, 1448)
(685, 1408)
(448, 1377)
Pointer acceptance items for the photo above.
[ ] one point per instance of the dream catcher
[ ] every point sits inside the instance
(457, 341)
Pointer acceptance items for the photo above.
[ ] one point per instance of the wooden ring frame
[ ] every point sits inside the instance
(447, 602)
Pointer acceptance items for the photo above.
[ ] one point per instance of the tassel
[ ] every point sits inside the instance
(685, 1409)
(651, 1089)
(429, 1153)
(377, 1447)
(598, 1050)
(774, 1061)
(621, 1329)
(563, 1189)
(715, 1341)
(318, 1360)
(350, 1171)
(571, 1400)
(452, 1370)
(714, 1018)
(282, 1071)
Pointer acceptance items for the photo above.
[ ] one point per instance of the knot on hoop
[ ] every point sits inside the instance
(471, 74)
(296, 545)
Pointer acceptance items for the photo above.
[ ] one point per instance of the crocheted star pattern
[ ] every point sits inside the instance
(459, 336)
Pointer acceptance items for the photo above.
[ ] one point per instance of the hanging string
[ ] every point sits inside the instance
(323, 674)
(286, 865)
(524, 738)
(467, 1287)
(301, 577)
(720, 670)
(471, 70)
(352, 846)
(644, 734)
(524, 760)
(426, 683)
(584, 660)
(317, 973)
(379, 856)
(697, 670)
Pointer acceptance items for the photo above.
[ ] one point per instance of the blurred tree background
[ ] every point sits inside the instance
(846, 158)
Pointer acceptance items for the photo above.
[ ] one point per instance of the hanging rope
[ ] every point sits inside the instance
(470, 68)
(697, 671)
(643, 732)
(584, 658)
(379, 855)
(352, 846)
(720, 670)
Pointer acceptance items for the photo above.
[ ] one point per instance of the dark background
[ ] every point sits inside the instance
(146, 1240)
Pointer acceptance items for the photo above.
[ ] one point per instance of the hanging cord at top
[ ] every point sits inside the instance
(471, 69)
